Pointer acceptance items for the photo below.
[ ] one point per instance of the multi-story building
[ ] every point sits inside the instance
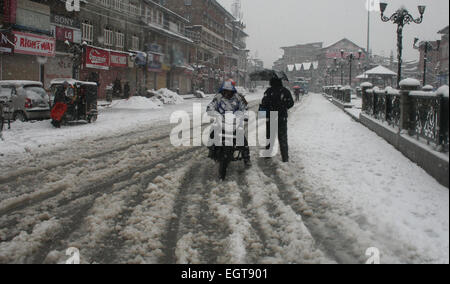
(431, 59)
(220, 42)
(27, 41)
(443, 57)
(136, 41)
(146, 42)
(334, 65)
(299, 61)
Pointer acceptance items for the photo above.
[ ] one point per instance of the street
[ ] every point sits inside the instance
(134, 198)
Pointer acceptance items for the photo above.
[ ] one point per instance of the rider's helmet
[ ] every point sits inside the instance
(228, 90)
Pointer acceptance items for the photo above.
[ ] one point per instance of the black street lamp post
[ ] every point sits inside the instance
(401, 18)
(350, 58)
(427, 46)
(76, 51)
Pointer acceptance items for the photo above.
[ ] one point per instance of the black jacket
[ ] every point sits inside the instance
(277, 99)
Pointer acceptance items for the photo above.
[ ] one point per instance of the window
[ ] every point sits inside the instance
(148, 14)
(87, 32)
(187, 2)
(134, 9)
(105, 3)
(135, 42)
(118, 5)
(119, 39)
(108, 37)
(160, 18)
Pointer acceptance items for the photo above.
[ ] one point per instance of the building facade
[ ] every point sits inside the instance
(443, 57)
(334, 66)
(180, 45)
(220, 49)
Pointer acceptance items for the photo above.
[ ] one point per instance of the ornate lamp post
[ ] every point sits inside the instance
(350, 58)
(401, 18)
(427, 46)
(76, 51)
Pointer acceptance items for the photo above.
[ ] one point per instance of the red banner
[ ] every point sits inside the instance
(97, 58)
(119, 59)
(33, 44)
(64, 34)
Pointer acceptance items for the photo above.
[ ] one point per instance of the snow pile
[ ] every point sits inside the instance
(23, 246)
(136, 102)
(443, 91)
(199, 94)
(166, 96)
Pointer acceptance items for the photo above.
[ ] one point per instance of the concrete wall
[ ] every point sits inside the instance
(435, 164)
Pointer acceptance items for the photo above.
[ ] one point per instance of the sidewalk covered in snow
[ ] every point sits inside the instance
(362, 184)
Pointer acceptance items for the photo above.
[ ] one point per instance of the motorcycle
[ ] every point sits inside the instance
(229, 130)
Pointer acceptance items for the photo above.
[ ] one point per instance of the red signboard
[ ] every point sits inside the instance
(337, 54)
(97, 58)
(33, 44)
(119, 59)
(64, 34)
(6, 43)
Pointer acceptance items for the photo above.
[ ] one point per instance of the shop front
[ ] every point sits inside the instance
(106, 67)
(28, 56)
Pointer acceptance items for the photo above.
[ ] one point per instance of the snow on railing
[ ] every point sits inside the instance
(424, 114)
(338, 92)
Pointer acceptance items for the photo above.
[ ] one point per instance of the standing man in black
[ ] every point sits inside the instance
(278, 98)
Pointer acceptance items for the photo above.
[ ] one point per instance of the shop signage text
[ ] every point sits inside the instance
(33, 44)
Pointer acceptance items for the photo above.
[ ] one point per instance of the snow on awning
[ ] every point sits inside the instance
(380, 70)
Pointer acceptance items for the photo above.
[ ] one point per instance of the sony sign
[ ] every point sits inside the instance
(65, 21)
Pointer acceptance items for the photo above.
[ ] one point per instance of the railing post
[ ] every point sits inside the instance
(407, 106)
(364, 88)
(443, 121)
(375, 103)
(388, 107)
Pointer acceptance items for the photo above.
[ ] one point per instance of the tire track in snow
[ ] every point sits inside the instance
(327, 239)
(101, 187)
(195, 235)
(73, 216)
(286, 233)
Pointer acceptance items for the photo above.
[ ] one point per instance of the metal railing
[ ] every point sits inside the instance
(429, 117)
(423, 114)
(342, 94)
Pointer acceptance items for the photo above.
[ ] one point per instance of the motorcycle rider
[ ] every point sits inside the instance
(227, 100)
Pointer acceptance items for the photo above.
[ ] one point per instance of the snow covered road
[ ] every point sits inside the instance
(127, 196)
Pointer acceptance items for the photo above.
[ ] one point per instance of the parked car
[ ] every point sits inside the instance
(28, 100)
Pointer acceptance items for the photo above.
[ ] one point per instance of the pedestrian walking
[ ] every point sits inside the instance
(278, 99)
